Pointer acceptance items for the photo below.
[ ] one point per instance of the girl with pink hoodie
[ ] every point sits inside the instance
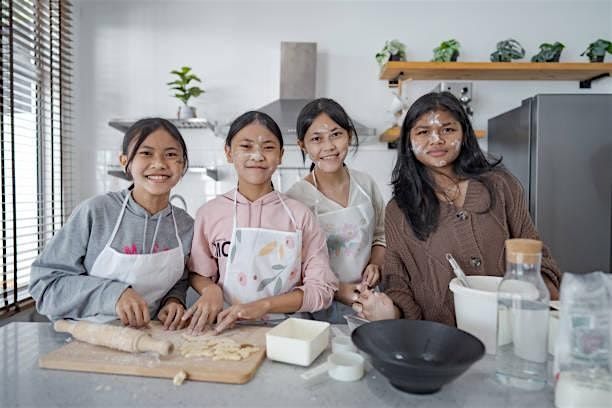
(254, 249)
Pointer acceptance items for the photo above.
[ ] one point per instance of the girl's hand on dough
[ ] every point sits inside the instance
(132, 309)
(170, 315)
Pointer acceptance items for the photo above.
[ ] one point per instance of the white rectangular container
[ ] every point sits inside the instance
(297, 341)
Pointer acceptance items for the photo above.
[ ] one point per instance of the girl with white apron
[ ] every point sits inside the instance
(352, 223)
(79, 275)
(350, 233)
(151, 275)
(261, 275)
(262, 262)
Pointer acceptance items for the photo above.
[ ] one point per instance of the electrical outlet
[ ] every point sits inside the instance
(462, 90)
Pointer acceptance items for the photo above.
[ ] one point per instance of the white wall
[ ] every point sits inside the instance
(125, 50)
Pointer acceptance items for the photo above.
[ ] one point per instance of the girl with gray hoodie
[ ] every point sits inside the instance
(123, 254)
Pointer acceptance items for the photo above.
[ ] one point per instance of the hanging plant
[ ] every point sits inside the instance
(507, 50)
(393, 50)
(548, 52)
(596, 51)
(447, 51)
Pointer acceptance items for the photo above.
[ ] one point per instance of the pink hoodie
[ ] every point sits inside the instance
(213, 230)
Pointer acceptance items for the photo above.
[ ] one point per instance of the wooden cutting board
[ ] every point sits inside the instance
(79, 356)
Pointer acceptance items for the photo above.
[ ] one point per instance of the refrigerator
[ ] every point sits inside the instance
(560, 148)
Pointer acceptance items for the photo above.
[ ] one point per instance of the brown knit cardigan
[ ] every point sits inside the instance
(416, 273)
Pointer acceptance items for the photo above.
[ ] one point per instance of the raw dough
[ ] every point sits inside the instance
(203, 337)
(179, 377)
(219, 348)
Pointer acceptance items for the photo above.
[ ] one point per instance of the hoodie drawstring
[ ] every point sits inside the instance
(144, 234)
(155, 233)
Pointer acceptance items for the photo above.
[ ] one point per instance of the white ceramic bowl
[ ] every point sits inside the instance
(297, 341)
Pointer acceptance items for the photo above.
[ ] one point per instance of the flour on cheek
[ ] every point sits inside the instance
(418, 149)
(456, 144)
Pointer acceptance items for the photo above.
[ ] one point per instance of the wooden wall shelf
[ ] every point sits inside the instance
(585, 72)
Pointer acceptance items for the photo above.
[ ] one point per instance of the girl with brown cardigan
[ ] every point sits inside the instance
(447, 198)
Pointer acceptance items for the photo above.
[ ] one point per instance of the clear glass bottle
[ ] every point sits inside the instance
(523, 304)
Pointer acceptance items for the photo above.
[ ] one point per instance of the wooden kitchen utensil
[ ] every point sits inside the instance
(80, 356)
(115, 337)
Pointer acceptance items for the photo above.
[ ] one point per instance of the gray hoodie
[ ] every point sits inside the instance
(59, 279)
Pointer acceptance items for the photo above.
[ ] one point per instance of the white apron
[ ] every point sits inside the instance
(151, 275)
(350, 233)
(262, 262)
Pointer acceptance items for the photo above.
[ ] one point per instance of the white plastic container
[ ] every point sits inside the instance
(476, 308)
(297, 341)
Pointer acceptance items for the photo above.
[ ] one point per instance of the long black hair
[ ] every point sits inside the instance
(332, 109)
(414, 188)
(249, 117)
(140, 130)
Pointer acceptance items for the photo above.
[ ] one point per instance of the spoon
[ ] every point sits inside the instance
(458, 271)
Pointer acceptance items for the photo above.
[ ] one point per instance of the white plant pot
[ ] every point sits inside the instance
(186, 112)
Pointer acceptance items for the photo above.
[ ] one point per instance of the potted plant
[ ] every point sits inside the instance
(507, 50)
(447, 51)
(548, 52)
(596, 51)
(184, 92)
(393, 50)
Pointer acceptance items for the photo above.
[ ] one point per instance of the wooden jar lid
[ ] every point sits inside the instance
(520, 250)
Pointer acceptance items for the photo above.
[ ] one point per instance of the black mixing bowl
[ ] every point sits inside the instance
(418, 356)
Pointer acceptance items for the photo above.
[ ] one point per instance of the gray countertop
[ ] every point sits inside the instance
(24, 384)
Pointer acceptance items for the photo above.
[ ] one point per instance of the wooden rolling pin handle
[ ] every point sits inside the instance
(63, 326)
(148, 343)
(119, 338)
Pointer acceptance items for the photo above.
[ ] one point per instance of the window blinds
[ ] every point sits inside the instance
(36, 148)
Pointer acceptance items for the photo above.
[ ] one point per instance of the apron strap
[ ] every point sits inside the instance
(235, 209)
(178, 238)
(288, 210)
(180, 243)
(118, 223)
(351, 181)
(314, 179)
(279, 197)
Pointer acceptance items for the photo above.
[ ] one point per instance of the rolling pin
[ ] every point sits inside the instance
(115, 337)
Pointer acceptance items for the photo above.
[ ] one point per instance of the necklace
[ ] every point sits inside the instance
(452, 193)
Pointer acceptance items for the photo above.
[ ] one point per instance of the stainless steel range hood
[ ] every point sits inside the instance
(297, 87)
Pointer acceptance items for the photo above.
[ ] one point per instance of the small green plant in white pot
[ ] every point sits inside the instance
(393, 50)
(184, 92)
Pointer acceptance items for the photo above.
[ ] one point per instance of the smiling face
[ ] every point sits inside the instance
(255, 153)
(326, 143)
(436, 139)
(157, 165)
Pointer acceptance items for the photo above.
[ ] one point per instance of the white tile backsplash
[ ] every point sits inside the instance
(206, 150)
